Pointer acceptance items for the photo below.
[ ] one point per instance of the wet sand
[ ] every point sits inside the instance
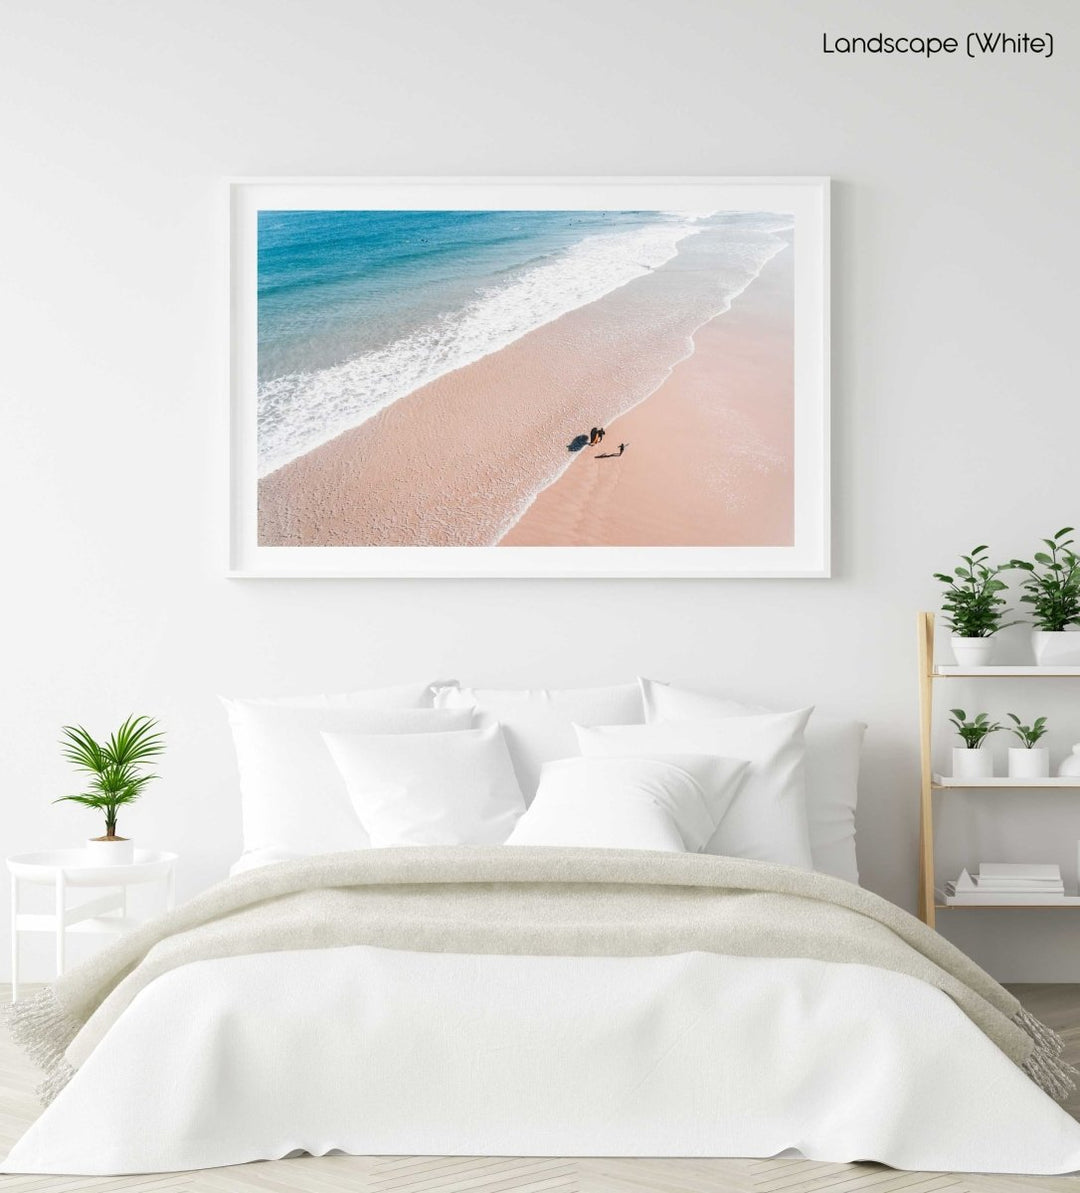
(709, 456)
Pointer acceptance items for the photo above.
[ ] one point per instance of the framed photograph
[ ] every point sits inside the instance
(529, 377)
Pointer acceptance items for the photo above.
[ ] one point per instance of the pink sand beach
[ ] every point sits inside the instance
(709, 455)
(479, 456)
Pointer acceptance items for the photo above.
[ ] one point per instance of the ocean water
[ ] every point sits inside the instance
(358, 308)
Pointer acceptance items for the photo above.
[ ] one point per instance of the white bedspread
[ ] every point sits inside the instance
(374, 1051)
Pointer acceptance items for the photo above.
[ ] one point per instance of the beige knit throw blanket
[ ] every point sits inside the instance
(526, 901)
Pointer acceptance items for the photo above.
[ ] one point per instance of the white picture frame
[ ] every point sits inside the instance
(806, 198)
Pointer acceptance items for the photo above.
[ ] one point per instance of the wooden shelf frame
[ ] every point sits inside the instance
(927, 906)
(930, 782)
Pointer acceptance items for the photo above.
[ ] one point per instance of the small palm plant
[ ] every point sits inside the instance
(115, 767)
(973, 733)
(1029, 735)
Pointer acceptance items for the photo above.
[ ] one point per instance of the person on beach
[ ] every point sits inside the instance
(592, 436)
(600, 434)
(612, 455)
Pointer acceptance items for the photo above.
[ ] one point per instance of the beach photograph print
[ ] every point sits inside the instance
(582, 381)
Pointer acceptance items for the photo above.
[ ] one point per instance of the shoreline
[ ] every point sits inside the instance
(464, 459)
(676, 363)
(721, 422)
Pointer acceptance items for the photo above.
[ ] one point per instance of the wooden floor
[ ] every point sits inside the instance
(1058, 1006)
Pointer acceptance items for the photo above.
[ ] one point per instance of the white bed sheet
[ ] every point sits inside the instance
(375, 1051)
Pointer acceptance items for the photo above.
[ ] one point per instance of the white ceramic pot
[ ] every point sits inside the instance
(972, 764)
(117, 852)
(1070, 764)
(1029, 764)
(972, 652)
(1056, 648)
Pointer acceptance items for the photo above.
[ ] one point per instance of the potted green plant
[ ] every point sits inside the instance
(1052, 589)
(970, 761)
(116, 778)
(973, 606)
(1029, 760)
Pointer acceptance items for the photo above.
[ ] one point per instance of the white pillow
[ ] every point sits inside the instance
(430, 788)
(405, 695)
(767, 818)
(292, 796)
(833, 751)
(255, 859)
(672, 803)
(539, 722)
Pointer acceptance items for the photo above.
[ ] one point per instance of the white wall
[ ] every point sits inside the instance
(955, 364)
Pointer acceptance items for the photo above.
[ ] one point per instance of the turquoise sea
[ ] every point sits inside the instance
(358, 308)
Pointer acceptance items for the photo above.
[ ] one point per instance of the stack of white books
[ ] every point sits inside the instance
(1007, 882)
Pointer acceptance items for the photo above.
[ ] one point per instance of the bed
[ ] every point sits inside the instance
(597, 969)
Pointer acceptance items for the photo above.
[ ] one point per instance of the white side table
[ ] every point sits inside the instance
(63, 869)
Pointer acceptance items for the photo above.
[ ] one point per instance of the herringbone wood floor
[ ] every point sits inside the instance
(1057, 1005)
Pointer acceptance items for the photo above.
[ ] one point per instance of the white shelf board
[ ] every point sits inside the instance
(1001, 781)
(1028, 672)
(1065, 901)
(30, 922)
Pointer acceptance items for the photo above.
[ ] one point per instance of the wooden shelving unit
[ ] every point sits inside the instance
(929, 673)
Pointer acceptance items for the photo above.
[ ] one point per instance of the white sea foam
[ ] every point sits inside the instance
(300, 411)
